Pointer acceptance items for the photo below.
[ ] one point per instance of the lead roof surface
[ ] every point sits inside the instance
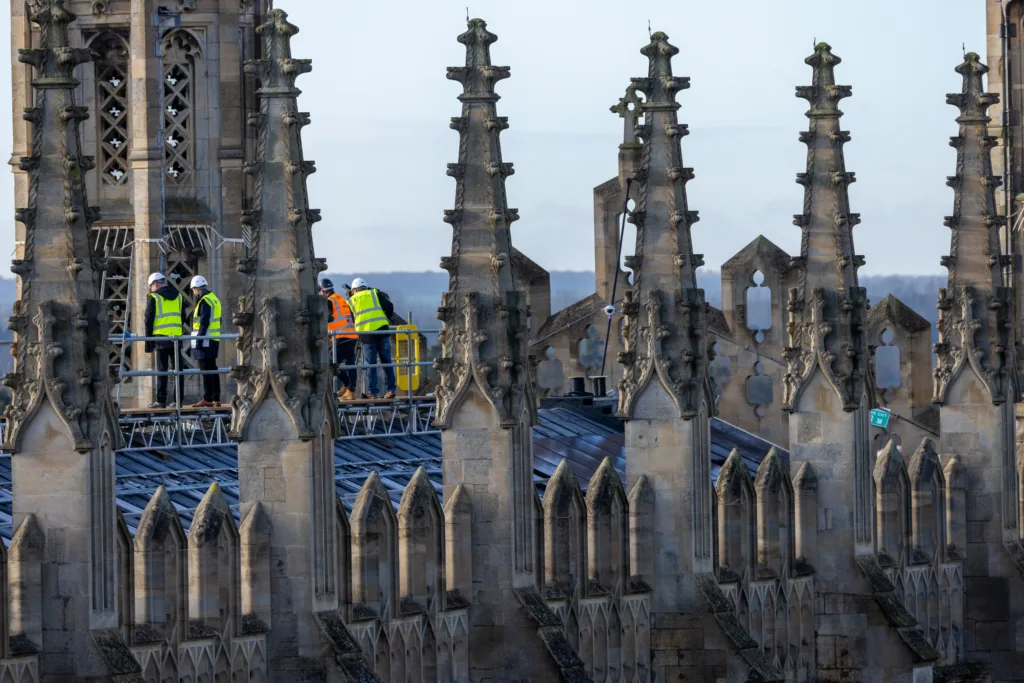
(582, 434)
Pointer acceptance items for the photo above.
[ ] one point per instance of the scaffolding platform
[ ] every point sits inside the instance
(155, 428)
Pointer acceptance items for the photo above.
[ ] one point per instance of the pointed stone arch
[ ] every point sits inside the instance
(892, 504)
(458, 516)
(160, 572)
(420, 546)
(805, 494)
(213, 567)
(25, 583)
(956, 508)
(374, 549)
(641, 534)
(256, 588)
(607, 531)
(564, 517)
(736, 519)
(928, 504)
(774, 516)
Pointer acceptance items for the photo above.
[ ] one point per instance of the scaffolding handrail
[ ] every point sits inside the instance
(412, 425)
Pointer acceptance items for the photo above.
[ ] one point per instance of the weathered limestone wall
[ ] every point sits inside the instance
(981, 436)
(898, 332)
(61, 424)
(751, 390)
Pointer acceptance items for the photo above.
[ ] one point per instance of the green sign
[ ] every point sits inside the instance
(880, 418)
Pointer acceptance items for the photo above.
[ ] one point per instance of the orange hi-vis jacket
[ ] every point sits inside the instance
(343, 324)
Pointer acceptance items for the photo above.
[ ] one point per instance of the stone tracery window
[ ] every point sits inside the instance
(887, 362)
(758, 306)
(112, 104)
(179, 74)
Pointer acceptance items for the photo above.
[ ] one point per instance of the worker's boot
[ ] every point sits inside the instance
(347, 395)
(389, 395)
(203, 404)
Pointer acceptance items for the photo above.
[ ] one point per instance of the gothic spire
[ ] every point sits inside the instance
(282, 318)
(484, 317)
(666, 312)
(60, 325)
(827, 310)
(975, 309)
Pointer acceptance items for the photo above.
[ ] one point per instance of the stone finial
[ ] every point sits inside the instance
(278, 70)
(282, 318)
(976, 312)
(483, 316)
(733, 478)
(629, 108)
(54, 60)
(828, 308)
(924, 463)
(666, 313)
(60, 325)
(771, 473)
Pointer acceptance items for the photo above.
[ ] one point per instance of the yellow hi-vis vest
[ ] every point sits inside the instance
(367, 311)
(167, 322)
(214, 329)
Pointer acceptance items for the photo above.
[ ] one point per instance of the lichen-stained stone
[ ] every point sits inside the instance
(284, 412)
(485, 401)
(61, 422)
(975, 386)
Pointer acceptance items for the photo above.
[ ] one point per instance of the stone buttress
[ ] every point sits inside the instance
(976, 388)
(828, 393)
(61, 425)
(284, 412)
(485, 401)
(666, 398)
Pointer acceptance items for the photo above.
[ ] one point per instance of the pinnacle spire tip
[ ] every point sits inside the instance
(823, 57)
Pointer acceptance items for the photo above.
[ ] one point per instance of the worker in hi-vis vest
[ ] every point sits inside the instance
(342, 331)
(206, 323)
(373, 311)
(163, 319)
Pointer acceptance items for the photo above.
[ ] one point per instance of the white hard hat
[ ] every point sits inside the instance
(358, 282)
(156, 277)
(198, 282)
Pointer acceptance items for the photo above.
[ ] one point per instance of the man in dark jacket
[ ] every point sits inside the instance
(206, 323)
(164, 319)
(373, 311)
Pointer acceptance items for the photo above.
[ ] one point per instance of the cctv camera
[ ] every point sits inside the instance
(609, 309)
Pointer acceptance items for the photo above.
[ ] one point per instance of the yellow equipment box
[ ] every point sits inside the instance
(404, 377)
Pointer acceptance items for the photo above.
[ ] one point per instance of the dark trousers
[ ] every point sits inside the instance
(211, 382)
(374, 347)
(165, 363)
(345, 354)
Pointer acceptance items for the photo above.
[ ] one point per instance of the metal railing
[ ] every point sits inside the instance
(407, 414)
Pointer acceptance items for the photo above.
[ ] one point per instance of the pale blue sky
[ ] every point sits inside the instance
(380, 104)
